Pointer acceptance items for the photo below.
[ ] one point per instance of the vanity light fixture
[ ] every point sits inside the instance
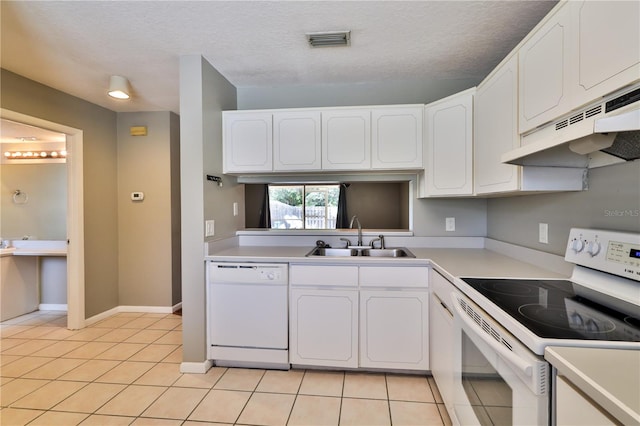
(119, 87)
(34, 155)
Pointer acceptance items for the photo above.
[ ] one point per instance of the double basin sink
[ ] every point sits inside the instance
(348, 252)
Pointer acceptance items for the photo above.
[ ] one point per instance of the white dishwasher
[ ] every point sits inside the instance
(247, 314)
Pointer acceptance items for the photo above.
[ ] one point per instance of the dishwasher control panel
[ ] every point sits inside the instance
(247, 273)
(270, 274)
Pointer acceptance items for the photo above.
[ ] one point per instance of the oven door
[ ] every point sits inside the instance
(494, 384)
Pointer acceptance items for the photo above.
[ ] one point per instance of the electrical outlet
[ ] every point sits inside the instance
(450, 224)
(235, 209)
(210, 229)
(543, 233)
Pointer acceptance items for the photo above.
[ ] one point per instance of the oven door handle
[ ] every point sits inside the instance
(500, 350)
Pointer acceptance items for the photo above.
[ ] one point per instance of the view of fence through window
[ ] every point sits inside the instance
(303, 206)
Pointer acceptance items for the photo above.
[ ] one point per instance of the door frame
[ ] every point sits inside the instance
(75, 213)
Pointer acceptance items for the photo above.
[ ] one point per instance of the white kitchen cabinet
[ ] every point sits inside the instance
(346, 139)
(324, 327)
(606, 48)
(441, 336)
(297, 141)
(545, 71)
(393, 329)
(394, 310)
(323, 315)
(574, 408)
(396, 137)
(496, 130)
(247, 142)
(449, 146)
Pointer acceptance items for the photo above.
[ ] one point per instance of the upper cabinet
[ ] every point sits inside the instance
(583, 51)
(247, 142)
(396, 137)
(296, 141)
(544, 77)
(346, 139)
(449, 147)
(323, 139)
(496, 130)
(606, 47)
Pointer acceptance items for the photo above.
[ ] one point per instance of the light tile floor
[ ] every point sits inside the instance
(124, 370)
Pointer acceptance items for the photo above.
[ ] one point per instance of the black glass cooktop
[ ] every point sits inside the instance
(553, 309)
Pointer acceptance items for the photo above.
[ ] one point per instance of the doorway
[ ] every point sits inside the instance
(75, 213)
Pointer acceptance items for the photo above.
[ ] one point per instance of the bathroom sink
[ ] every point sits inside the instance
(324, 251)
(387, 252)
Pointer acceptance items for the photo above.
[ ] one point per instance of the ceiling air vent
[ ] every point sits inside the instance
(326, 39)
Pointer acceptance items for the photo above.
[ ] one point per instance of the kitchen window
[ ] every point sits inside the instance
(303, 206)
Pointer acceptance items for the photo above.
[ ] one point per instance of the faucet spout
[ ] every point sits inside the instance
(357, 221)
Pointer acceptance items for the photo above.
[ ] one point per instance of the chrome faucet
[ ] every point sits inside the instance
(355, 219)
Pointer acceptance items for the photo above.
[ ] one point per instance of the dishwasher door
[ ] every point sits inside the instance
(248, 305)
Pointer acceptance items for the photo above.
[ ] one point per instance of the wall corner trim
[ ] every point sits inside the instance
(196, 367)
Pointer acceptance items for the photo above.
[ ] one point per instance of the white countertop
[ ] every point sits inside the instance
(610, 377)
(454, 262)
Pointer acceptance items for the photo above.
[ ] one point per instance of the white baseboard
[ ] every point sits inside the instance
(52, 307)
(196, 367)
(142, 309)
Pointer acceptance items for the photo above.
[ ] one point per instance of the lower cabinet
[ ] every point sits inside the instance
(324, 327)
(575, 408)
(393, 329)
(367, 316)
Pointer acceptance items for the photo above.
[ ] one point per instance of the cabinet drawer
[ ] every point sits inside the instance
(394, 276)
(344, 276)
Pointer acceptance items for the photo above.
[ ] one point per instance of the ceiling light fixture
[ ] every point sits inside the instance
(119, 87)
(331, 38)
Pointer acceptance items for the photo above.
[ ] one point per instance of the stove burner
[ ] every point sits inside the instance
(509, 288)
(558, 317)
(633, 321)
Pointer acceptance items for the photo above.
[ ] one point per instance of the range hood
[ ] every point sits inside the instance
(604, 133)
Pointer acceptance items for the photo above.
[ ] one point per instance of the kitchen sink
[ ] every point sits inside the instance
(367, 252)
(387, 252)
(324, 251)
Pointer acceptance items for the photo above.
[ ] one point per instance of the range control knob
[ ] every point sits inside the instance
(577, 245)
(593, 248)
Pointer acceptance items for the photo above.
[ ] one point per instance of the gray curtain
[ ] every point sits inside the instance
(342, 221)
(265, 212)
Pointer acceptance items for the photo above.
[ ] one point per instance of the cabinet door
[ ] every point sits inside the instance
(247, 142)
(496, 130)
(606, 47)
(545, 72)
(324, 328)
(296, 141)
(396, 138)
(441, 347)
(449, 146)
(575, 408)
(394, 329)
(346, 139)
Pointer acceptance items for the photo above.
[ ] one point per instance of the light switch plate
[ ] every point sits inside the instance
(450, 224)
(235, 209)
(543, 233)
(210, 229)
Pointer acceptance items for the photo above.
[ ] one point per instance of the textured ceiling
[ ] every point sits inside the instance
(74, 46)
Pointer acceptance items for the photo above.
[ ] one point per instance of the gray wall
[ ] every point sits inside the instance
(203, 94)
(44, 216)
(100, 177)
(612, 202)
(145, 249)
(383, 93)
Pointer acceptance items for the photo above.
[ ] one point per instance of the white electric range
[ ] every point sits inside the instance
(503, 325)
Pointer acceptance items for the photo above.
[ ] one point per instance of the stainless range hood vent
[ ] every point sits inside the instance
(326, 39)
